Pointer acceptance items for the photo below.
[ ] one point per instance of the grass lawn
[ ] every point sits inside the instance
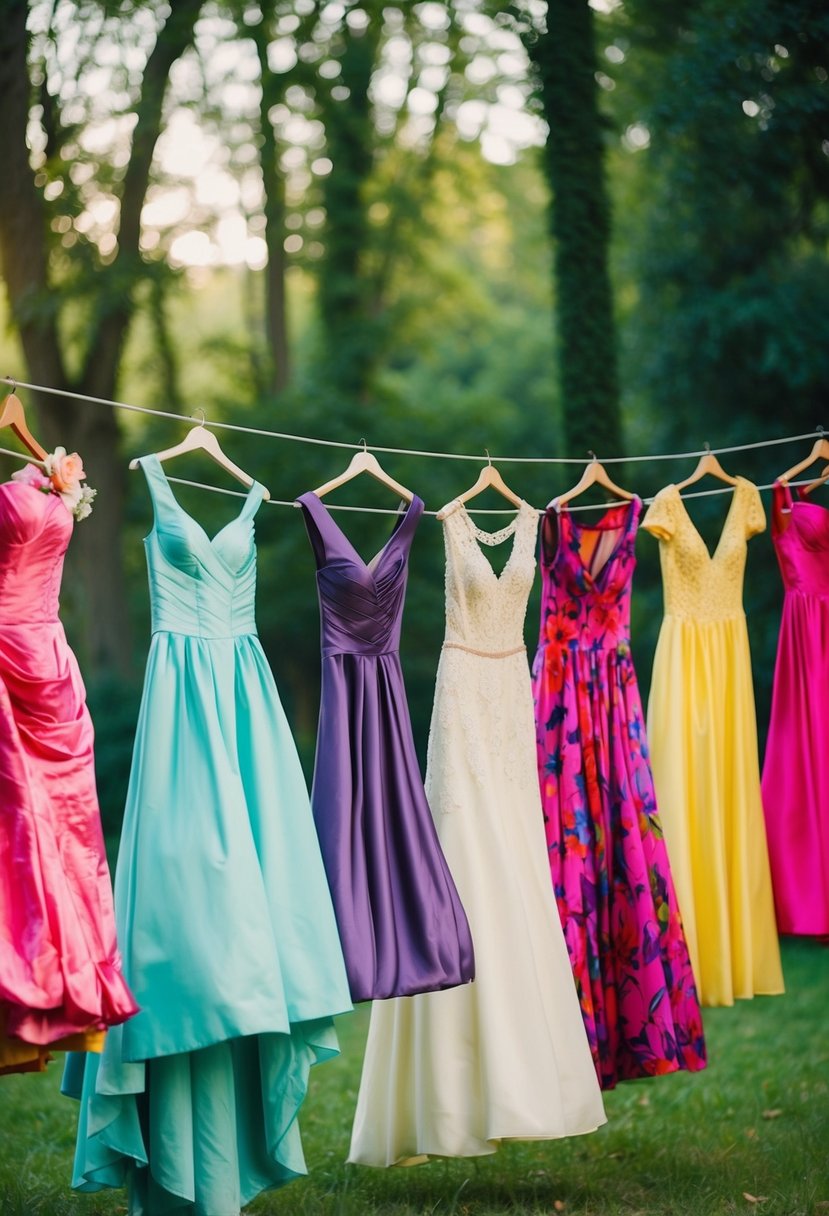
(749, 1135)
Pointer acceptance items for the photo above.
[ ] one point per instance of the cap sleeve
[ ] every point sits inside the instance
(660, 517)
(755, 515)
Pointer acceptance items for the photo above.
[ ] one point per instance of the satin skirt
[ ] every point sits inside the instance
(703, 736)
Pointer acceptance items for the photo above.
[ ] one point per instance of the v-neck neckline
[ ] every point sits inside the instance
(502, 534)
(630, 507)
(210, 540)
(726, 523)
(372, 566)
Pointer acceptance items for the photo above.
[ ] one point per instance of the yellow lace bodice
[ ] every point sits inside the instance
(698, 585)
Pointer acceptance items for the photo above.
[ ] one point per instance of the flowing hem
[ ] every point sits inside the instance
(150, 1125)
(476, 1147)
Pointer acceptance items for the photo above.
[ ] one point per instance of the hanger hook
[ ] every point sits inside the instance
(13, 384)
(488, 457)
(820, 431)
(592, 454)
(707, 447)
(201, 420)
(364, 445)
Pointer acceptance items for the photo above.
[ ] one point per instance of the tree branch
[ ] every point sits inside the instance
(23, 234)
(110, 326)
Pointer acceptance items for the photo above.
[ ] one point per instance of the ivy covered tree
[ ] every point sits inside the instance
(562, 48)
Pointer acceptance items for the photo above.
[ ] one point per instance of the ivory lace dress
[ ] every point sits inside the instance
(454, 1073)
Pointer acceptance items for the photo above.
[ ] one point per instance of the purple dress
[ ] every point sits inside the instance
(402, 926)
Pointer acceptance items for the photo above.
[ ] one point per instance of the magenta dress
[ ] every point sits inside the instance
(796, 766)
(400, 918)
(60, 971)
(607, 857)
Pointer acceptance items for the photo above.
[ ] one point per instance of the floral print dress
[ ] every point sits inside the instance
(608, 860)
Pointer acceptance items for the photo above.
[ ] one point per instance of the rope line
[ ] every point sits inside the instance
(281, 502)
(356, 447)
(599, 506)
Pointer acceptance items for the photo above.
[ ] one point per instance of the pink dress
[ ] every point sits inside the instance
(796, 767)
(60, 972)
(607, 857)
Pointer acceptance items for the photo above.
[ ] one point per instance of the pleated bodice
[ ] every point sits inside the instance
(361, 603)
(200, 587)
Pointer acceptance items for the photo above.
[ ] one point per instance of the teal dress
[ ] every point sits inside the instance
(222, 906)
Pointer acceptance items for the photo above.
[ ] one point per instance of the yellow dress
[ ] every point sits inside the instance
(703, 738)
(16, 1055)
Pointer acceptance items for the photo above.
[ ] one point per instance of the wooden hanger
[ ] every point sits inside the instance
(595, 474)
(12, 414)
(488, 479)
(819, 481)
(364, 462)
(820, 451)
(200, 439)
(707, 463)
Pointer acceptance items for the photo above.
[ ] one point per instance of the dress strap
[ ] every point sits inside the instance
(407, 525)
(634, 513)
(318, 523)
(161, 493)
(255, 498)
(550, 541)
(781, 507)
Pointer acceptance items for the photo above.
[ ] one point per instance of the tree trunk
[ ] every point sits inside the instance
(93, 430)
(345, 306)
(23, 248)
(273, 181)
(565, 58)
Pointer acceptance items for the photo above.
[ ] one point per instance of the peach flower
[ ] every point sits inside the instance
(65, 470)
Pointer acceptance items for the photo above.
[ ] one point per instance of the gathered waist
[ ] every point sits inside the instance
(336, 652)
(485, 654)
(704, 618)
(204, 636)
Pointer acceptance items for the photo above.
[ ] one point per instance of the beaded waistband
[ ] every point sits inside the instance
(485, 654)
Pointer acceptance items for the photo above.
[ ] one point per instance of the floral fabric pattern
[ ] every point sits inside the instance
(608, 860)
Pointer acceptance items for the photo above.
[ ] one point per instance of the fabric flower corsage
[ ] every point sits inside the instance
(62, 475)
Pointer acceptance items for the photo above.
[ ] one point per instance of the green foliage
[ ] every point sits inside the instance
(113, 704)
(733, 213)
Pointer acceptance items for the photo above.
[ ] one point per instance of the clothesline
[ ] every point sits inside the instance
(477, 457)
(279, 502)
(336, 443)
(598, 506)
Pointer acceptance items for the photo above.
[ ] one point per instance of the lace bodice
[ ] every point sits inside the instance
(485, 611)
(698, 585)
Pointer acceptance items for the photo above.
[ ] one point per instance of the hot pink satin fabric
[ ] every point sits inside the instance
(60, 971)
(796, 767)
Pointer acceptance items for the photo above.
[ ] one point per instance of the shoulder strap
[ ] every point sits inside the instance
(161, 494)
(633, 514)
(408, 525)
(254, 501)
(317, 523)
(781, 508)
